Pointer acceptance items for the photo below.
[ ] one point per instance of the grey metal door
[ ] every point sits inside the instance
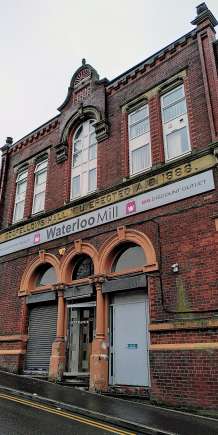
(42, 333)
(129, 352)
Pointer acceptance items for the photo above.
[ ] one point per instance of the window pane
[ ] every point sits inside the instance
(92, 180)
(22, 176)
(129, 258)
(21, 187)
(41, 165)
(173, 96)
(139, 129)
(19, 210)
(77, 158)
(46, 275)
(92, 152)
(139, 115)
(174, 111)
(92, 138)
(41, 177)
(39, 202)
(140, 158)
(177, 143)
(84, 267)
(77, 146)
(78, 133)
(76, 186)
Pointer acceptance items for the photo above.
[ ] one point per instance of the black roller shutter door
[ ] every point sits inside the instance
(42, 333)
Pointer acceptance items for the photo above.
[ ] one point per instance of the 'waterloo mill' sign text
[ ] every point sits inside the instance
(173, 192)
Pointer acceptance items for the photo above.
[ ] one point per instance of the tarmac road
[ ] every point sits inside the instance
(24, 417)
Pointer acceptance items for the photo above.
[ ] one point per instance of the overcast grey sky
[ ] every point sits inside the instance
(42, 43)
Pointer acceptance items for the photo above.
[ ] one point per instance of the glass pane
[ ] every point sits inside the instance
(39, 202)
(41, 165)
(92, 138)
(138, 115)
(174, 111)
(78, 133)
(173, 96)
(77, 159)
(140, 158)
(21, 187)
(77, 146)
(129, 257)
(41, 177)
(19, 210)
(22, 176)
(84, 267)
(139, 129)
(92, 180)
(76, 186)
(177, 143)
(92, 152)
(46, 275)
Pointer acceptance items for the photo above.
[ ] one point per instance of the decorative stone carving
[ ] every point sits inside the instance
(101, 130)
(61, 150)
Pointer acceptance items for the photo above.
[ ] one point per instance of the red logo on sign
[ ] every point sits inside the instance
(37, 238)
(130, 207)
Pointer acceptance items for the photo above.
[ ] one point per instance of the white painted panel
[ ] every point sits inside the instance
(130, 356)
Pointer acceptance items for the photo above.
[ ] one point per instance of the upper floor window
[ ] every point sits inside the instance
(84, 160)
(175, 123)
(40, 186)
(21, 185)
(139, 140)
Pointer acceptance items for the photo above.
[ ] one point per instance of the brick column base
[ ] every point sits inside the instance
(99, 366)
(57, 360)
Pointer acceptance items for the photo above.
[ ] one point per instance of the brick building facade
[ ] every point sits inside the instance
(109, 218)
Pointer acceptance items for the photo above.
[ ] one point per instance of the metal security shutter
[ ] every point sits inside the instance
(42, 333)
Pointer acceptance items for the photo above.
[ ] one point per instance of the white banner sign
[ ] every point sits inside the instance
(158, 197)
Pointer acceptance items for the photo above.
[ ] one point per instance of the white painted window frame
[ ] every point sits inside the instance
(137, 142)
(86, 164)
(20, 197)
(39, 189)
(176, 123)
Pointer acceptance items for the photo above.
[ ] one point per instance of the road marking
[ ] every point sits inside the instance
(65, 414)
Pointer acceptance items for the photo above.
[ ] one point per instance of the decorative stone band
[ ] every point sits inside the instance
(135, 188)
(183, 346)
(194, 324)
(12, 352)
(186, 188)
(7, 338)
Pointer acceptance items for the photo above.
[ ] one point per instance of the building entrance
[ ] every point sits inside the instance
(81, 331)
(129, 341)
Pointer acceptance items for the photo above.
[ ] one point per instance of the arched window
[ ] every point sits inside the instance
(45, 275)
(129, 256)
(84, 160)
(83, 267)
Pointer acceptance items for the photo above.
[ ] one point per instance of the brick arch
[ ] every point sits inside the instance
(78, 249)
(109, 248)
(29, 275)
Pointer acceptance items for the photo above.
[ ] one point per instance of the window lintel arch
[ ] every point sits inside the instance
(110, 247)
(80, 248)
(29, 276)
(83, 114)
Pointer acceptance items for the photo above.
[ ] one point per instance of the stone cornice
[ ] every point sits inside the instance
(151, 62)
(34, 136)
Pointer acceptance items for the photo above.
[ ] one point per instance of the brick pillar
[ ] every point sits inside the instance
(99, 356)
(156, 131)
(57, 360)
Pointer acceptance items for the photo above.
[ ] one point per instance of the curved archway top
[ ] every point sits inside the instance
(82, 76)
(106, 254)
(78, 249)
(26, 285)
(83, 114)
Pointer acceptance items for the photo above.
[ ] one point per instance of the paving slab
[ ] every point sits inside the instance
(143, 418)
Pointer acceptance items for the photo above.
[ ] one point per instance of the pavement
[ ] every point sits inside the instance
(141, 418)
